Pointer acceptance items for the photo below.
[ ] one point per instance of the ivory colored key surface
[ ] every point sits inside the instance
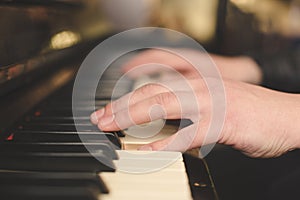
(132, 180)
(130, 142)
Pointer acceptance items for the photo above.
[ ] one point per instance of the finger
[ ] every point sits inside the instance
(127, 100)
(185, 91)
(152, 89)
(143, 93)
(161, 106)
(190, 137)
(141, 112)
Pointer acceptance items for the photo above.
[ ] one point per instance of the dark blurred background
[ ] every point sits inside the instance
(33, 27)
(222, 26)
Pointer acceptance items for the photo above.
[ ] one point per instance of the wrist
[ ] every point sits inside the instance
(295, 121)
(288, 114)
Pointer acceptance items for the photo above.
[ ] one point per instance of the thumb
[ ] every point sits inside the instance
(198, 134)
(180, 141)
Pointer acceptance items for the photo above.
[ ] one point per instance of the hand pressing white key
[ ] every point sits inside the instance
(258, 121)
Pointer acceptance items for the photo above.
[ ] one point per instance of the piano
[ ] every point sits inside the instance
(42, 45)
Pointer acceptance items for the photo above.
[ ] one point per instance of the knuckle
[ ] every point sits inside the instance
(149, 88)
(165, 99)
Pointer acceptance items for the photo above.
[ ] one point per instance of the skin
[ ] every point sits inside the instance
(240, 68)
(258, 121)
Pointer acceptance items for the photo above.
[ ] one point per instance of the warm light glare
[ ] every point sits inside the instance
(197, 18)
(64, 39)
(273, 16)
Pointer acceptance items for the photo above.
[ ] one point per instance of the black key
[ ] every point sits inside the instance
(29, 192)
(51, 120)
(55, 136)
(105, 148)
(8, 178)
(68, 104)
(69, 107)
(66, 126)
(58, 127)
(66, 110)
(68, 162)
(119, 133)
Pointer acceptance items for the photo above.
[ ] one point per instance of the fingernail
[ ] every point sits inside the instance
(145, 148)
(107, 120)
(94, 118)
(96, 115)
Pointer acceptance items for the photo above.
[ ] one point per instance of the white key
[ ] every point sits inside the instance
(170, 182)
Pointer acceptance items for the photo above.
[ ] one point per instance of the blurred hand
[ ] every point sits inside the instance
(236, 68)
(258, 121)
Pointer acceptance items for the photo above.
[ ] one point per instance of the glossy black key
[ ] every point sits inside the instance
(55, 136)
(105, 148)
(56, 119)
(52, 179)
(56, 124)
(29, 192)
(68, 104)
(58, 127)
(120, 133)
(56, 162)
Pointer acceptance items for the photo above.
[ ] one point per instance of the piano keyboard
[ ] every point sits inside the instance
(43, 157)
(170, 182)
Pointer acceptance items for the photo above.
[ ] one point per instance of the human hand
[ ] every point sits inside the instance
(258, 121)
(236, 68)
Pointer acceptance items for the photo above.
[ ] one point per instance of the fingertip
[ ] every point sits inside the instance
(94, 118)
